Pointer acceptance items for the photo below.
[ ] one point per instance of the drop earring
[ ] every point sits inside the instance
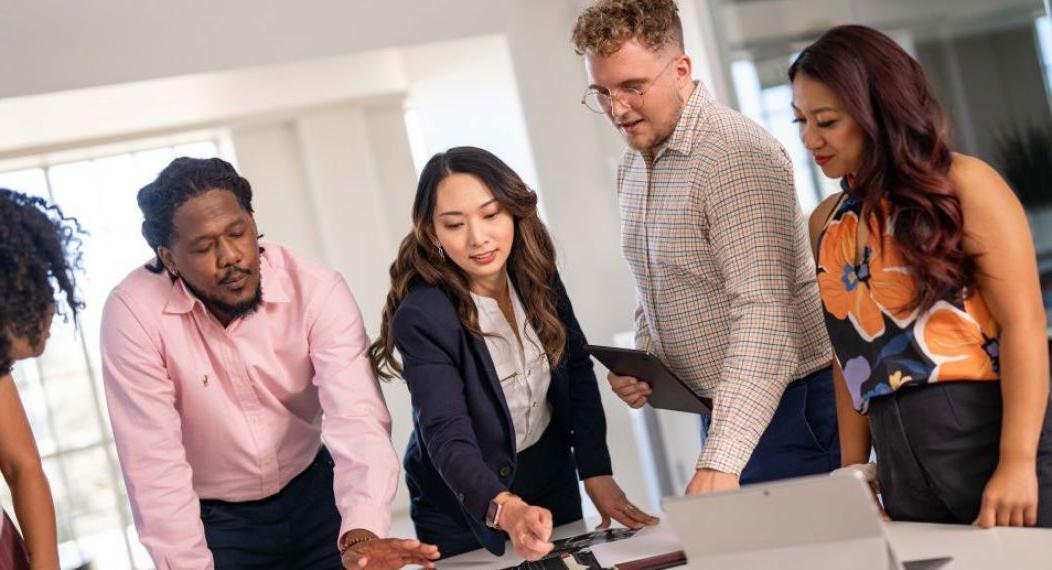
(441, 252)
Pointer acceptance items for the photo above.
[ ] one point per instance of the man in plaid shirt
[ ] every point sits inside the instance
(727, 294)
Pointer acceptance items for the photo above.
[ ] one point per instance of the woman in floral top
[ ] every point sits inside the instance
(929, 282)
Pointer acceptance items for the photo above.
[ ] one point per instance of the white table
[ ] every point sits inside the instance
(971, 548)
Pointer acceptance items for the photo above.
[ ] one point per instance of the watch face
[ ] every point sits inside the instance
(492, 515)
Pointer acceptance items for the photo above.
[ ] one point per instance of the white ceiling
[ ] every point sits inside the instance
(54, 45)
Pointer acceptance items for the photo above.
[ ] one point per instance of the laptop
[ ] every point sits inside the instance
(813, 523)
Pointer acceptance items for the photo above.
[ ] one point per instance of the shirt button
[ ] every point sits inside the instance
(505, 471)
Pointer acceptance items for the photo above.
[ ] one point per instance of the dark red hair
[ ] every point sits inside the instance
(907, 157)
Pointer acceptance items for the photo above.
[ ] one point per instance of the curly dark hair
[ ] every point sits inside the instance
(39, 250)
(607, 24)
(181, 180)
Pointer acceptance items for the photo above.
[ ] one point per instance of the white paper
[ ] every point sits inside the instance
(651, 541)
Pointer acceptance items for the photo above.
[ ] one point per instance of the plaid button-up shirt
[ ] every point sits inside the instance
(724, 273)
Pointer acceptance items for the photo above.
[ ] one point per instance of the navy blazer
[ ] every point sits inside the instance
(462, 451)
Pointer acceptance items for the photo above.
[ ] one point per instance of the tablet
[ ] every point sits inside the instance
(667, 391)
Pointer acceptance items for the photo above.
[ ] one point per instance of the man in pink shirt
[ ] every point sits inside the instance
(225, 363)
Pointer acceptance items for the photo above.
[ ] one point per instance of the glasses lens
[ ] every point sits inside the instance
(597, 102)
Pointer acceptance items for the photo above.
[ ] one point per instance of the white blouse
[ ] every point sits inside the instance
(523, 369)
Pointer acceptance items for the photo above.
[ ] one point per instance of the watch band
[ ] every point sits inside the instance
(496, 507)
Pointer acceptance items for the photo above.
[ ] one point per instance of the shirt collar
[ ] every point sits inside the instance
(682, 139)
(489, 303)
(181, 300)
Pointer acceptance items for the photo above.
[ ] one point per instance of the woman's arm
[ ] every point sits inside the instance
(996, 231)
(436, 389)
(853, 427)
(21, 467)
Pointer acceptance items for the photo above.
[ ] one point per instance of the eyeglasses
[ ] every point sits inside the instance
(601, 101)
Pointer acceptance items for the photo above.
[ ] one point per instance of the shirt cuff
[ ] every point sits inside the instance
(375, 518)
(725, 454)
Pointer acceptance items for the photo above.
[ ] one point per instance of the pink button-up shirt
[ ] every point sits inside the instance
(200, 411)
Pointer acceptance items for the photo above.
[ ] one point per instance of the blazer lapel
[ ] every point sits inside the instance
(484, 358)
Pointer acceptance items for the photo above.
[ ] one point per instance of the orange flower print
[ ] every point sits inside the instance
(963, 344)
(859, 292)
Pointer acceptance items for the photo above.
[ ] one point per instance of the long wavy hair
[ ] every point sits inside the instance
(531, 263)
(907, 156)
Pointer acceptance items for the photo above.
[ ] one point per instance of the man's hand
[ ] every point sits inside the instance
(712, 481)
(385, 553)
(1010, 496)
(631, 390)
(611, 503)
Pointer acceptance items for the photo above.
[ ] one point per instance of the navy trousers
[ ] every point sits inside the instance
(296, 528)
(545, 476)
(802, 438)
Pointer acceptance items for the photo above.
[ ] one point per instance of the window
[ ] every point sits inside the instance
(1044, 43)
(62, 390)
(771, 107)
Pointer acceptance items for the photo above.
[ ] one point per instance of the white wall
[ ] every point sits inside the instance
(322, 140)
(56, 45)
(465, 92)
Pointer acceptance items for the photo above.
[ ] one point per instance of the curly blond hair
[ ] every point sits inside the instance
(607, 24)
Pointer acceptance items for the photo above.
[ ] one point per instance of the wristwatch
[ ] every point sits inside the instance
(496, 506)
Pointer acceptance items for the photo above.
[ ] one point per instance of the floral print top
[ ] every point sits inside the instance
(880, 344)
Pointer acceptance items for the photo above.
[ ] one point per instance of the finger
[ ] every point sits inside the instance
(1004, 515)
(1016, 518)
(363, 561)
(532, 545)
(637, 402)
(987, 516)
(429, 550)
(605, 523)
(630, 390)
(641, 516)
(625, 520)
(538, 550)
(619, 381)
(538, 532)
(416, 560)
(409, 543)
(1030, 514)
(423, 548)
(546, 524)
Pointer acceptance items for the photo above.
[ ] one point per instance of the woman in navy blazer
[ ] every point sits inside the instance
(506, 410)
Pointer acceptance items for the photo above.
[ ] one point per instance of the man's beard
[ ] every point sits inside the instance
(231, 311)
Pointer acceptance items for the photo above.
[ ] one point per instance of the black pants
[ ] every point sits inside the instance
(296, 528)
(802, 438)
(937, 446)
(545, 477)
